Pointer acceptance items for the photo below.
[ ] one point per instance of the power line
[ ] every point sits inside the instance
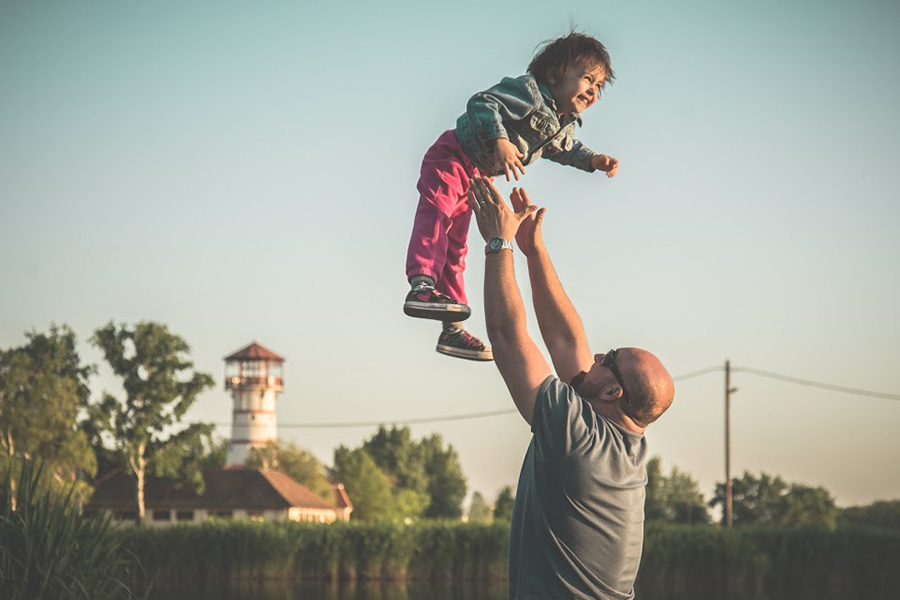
(693, 374)
(508, 411)
(818, 384)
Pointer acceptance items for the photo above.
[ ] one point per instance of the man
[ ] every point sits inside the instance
(577, 526)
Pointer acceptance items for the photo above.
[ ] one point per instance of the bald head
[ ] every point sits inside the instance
(650, 387)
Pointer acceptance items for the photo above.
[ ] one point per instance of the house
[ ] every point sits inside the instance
(256, 495)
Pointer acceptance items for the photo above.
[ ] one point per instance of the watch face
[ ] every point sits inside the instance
(496, 244)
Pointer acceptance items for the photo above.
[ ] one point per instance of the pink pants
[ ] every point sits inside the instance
(438, 247)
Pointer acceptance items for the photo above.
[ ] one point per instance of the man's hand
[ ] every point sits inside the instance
(602, 162)
(529, 237)
(494, 217)
(508, 158)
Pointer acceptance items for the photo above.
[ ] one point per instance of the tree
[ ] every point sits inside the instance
(479, 510)
(43, 386)
(768, 500)
(369, 489)
(299, 464)
(399, 456)
(160, 386)
(883, 514)
(503, 505)
(446, 481)
(676, 498)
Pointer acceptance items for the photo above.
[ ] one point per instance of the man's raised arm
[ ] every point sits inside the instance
(560, 325)
(518, 359)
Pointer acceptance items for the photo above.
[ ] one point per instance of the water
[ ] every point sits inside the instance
(425, 591)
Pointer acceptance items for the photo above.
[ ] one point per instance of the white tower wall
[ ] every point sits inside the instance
(253, 422)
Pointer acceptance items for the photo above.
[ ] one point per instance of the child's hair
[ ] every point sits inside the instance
(556, 56)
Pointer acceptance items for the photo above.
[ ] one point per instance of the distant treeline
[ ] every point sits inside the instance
(698, 559)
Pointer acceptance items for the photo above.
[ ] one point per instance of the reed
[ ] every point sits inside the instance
(692, 560)
(49, 550)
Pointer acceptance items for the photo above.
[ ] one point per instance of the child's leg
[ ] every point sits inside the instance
(451, 281)
(443, 208)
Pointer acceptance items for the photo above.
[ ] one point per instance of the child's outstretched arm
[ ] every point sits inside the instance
(582, 157)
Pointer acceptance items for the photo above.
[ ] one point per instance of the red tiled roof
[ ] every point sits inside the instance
(342, 500)
(254, 352)
(225, 489)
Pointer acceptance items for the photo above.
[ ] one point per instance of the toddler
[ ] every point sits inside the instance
(504, 129)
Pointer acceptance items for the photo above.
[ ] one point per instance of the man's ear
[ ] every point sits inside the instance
(611, 392)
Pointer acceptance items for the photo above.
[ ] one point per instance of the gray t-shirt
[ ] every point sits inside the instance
(578, 522)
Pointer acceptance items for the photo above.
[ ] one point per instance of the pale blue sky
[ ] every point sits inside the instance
(246, 171)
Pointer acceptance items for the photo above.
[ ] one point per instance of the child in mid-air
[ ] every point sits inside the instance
(503, 129)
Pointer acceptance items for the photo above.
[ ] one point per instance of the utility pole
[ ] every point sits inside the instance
(729, 516)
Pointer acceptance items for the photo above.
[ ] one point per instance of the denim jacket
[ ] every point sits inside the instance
(521, 110)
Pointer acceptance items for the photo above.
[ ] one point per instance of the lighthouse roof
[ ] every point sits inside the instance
(254, 352)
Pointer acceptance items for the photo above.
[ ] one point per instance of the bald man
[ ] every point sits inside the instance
(577, 527)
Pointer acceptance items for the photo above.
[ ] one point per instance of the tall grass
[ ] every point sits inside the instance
(696, 561)
(49, 551)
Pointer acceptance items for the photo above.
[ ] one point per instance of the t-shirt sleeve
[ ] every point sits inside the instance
(562, 421)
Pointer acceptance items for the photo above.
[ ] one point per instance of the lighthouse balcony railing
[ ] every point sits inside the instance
(239, 382)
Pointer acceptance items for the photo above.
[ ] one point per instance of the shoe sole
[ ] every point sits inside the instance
(479, 355)
(439, 312)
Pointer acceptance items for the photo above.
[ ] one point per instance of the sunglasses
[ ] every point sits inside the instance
(609, 361)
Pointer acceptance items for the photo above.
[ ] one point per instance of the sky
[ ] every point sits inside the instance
(246, 171)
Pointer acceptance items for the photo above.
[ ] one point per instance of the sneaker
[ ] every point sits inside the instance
(463, 344)
(427, 303)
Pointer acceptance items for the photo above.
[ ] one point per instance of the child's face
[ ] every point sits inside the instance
(578, 88)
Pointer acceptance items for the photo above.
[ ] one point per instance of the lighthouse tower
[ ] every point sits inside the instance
(254, 376)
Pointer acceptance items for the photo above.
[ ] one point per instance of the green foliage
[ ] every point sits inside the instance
(503, 505)
(160, 386)
(399, 456)
(675, 499)
(369, 489)
(49, 551)
(479, 509)
(446, 481)
(43, 386)
(419, 468)
(883, 515)
(698, 561)
(768, 500)
(299, 464)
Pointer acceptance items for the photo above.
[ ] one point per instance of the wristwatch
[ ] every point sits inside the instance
(496, 245)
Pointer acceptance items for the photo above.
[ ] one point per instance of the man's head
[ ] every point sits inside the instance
(630, 380)
(576, 67)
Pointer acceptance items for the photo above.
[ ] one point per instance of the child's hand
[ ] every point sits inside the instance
(508, 158)
(602, 162)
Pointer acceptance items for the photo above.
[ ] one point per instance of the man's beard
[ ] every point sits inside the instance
(577, 381)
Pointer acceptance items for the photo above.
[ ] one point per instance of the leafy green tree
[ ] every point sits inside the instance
(676, 498)
(399, 456)
(768, 500)
(160, 386)
(883, 514)
(806, 505)
(369, 489)
(43, 386)
(446, 481)
(479, 509)
(410, 504)
(300, 465)
(503, 505)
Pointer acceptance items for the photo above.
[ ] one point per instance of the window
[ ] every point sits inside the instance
(126, 515)
(162, 515)
(256, 515)
(184, 515)
(220, 514)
